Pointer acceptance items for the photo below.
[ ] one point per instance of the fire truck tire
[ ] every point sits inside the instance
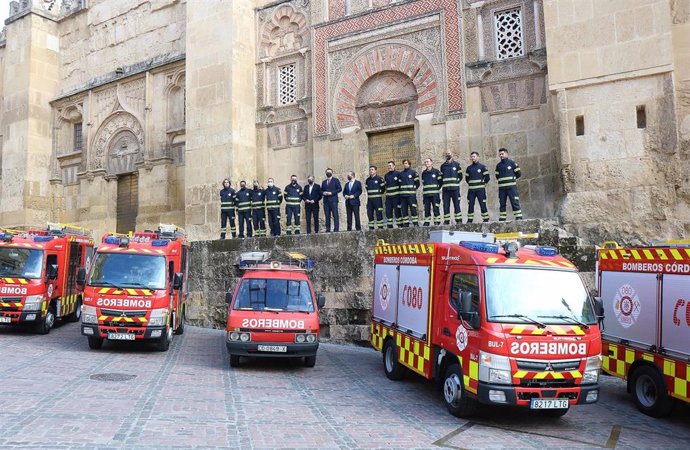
(454, 394)
(649, 392)
(45, 324)
(310, 361)
(391, 366)
(95, 343)
(76, 315)
(163, 343)
(180, 328)
(234, 360)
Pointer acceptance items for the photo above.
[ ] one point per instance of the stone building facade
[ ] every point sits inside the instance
(128, 113)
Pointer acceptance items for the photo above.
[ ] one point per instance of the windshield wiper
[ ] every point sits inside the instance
(105, 283)
(521, 316)
(145, 286)
(572, 314)
(266, 308)
(563, 317)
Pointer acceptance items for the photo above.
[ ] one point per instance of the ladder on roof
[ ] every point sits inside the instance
(515, 235)
(67, 228)
(671, 243)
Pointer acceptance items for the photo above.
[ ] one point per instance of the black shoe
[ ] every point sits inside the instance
(518, 218)
(485, 221)
(234, 235)
(222, 236)
(297, 232)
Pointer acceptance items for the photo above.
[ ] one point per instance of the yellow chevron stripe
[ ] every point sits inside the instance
(517, 329)
(520, 374)
(676, 254)
(648, 254)
(131, 291)
(576, 374)
(104, 291)
(558, 330)
(102, 318)
(662, 254)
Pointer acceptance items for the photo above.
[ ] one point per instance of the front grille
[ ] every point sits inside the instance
(530, 395)
(547, 383)
(121, 313)
(10, 300)
(542, 366)
(109, 323)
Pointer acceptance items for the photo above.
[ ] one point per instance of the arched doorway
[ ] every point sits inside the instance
(123, 153)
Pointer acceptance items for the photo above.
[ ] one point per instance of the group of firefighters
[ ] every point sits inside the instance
(391, 199)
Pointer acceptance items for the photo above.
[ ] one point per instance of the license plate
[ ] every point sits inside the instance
(272, 348)
(5, 320)
(121, 336)
(548, 403)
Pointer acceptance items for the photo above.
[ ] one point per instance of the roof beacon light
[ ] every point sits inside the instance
(511, 249)
(480, 246)
(43, 238)
(7, 237)
(124, 242)
(112, 240)
(160, 242)
(543, 250)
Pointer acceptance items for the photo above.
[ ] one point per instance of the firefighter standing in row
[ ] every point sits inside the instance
(259, 209)
(376, 187)
(409, 183)
(431, 188)
(392, 180)
(274, 197)
(507, 173)
(476, 175)
(227, 209)
(452, 176)
(293, 202)
(244, 208)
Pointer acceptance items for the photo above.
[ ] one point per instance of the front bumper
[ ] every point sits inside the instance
(20, 317)
(251, 349)
(101, 332)
(521, 396)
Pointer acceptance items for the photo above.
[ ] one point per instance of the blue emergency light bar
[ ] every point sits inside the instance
(159, 242)
(43, 238)
(113, 240)
(476, 246)
(543, 250)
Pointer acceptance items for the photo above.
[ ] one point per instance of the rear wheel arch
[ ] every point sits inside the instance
(635, 366)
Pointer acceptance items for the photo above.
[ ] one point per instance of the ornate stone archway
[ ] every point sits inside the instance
(119, 145)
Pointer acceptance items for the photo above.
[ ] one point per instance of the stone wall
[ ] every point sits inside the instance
(343, 270)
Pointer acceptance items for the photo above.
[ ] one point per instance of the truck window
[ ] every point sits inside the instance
(464, 282)
(20, 262)
(258, 294)
(128, 271)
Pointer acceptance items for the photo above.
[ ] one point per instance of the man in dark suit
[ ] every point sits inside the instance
(351, 192)
(312, 197)
(330, 188)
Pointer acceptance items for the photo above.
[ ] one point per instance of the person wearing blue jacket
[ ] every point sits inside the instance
(351, 192)
(330, 188)
(311, 198)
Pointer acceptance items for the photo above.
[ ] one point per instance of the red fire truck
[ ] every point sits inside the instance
(137, 287)
(273, 311)
(646, 330)
(492, 323)
(38, 270)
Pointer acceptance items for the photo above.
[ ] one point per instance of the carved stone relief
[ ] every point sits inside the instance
(285, 31)
(110, 132)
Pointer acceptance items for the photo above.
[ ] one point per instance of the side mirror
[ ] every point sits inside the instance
(51, 272)
(599, 307)
(465, 302)
(228, 297)
(321, 301)
(81, 277)
(177, 280)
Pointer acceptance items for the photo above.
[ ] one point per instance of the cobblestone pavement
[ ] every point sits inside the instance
(56, 393)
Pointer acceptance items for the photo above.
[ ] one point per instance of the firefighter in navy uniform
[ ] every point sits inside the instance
(476, 175)
(409, 183)
(392, 180)
(243, 200)
(259, 209)
(452, 176)
(431, 188)
(274, 197)
(376, 187)
(293, 204)
(507, 173)
(227, 209)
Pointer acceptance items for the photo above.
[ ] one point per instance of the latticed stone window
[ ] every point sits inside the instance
(508, 25)
(78, 137)
(287, 84)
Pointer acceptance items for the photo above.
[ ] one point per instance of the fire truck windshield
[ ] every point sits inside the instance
(257, 294)
(20, 262)
(549, 296)
(128, 271)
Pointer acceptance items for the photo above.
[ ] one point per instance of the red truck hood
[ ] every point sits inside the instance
(125, 299)
(272, 321)
(552, 342)
(19, 287)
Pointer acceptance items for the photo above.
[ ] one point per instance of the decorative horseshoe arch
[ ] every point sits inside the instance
(118, 145)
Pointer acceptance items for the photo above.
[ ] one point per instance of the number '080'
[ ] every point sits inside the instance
(412, 296)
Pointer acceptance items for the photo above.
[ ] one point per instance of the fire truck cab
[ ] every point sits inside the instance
(136, 288)
(646, 331)
(38, 271)
(493, 324)
(273, 311)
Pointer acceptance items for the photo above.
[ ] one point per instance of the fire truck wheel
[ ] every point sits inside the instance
(163, 343)
(310, 361)
(394, 370)
(454, 393)
(234, 361)
(45, 324)
(95, 343)
(76, 315)
(649, 392)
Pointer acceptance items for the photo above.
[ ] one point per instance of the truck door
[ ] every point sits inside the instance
(675, 315)
(454, 331)
(69, 296)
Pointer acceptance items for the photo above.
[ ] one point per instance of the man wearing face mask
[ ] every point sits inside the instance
(259, 209)
(376, 187)
(392, 180)
(274, 197)
(351, 193)
(330, 188)
(244, 208)
(452, 176)
(227, 209)
(409, 183)
(293, 199)
(312, 197)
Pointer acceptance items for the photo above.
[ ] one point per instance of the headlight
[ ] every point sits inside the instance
(591, 374)
(311, 338)
(159, 317)
(300, 338)
(88, 314)
(234, 336)
(33, 303)
(494, 368)
(245, 337)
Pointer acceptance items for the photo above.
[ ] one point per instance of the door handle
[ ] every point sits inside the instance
(446, 331)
